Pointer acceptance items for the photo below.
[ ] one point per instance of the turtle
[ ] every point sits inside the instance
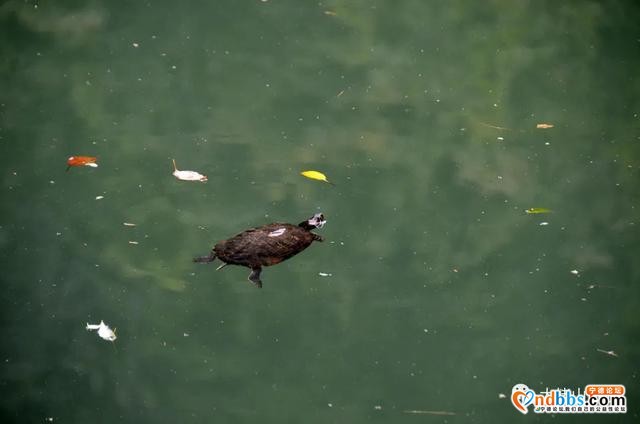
(265, 246)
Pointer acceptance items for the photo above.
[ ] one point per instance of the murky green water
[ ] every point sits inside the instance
(441, 293)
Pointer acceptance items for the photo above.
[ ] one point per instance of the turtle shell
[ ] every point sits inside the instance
(264, 246)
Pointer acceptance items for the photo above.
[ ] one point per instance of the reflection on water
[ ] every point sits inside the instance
(433, 281)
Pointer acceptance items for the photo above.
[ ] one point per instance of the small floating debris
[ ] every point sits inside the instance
(316, 175)
(419, 411)
(502, 396)
(574, 272)
(594, 286)
(495, 127)
(99, 197)
(608, 352)
(537, 210)
(82, 161)
(325, 274)
(103, 331)
(542, 224)
(128, 224)
(133, 242)
(543, 126)
(188, 175)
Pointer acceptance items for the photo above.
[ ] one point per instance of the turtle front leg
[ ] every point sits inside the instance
(254, 277)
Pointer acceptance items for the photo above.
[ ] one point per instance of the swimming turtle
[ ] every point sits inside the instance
(265, 246)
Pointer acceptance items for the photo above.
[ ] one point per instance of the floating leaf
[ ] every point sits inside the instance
(82, 161)
(537, 210)
(188, 175)
(316, 175)
(544, 126)
(104, 331)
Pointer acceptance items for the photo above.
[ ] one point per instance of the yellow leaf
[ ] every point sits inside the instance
(537, 210)
(544, 126)
(316, 175)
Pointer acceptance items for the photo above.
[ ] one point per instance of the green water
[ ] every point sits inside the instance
(441, 293)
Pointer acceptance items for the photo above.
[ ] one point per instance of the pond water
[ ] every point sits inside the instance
(434, 293)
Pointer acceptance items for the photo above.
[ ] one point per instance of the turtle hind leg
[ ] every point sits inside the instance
(205, 259)
(254, 277)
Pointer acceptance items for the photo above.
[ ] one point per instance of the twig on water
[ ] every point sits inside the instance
(419, 411)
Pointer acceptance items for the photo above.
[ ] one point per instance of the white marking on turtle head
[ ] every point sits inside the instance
(278, 232)
(317, 220)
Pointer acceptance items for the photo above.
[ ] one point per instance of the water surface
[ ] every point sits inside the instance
(443, 293)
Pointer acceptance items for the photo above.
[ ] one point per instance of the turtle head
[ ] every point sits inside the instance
(316, 221)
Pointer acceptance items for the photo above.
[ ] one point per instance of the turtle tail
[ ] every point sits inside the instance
(205, 259)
